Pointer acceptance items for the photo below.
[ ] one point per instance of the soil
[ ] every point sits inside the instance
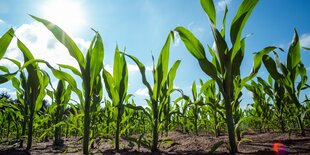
(178, 143)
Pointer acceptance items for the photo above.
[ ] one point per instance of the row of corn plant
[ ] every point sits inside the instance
(287, 75)
(208, 106)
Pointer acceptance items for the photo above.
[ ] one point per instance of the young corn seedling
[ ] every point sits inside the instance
(163, 85)
(62, 96)
(195, 107)
(116, 86)
(213, 100)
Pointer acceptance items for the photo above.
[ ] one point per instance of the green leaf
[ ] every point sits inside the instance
(194, 90)
(5, 41)
(209, 69)
(65, 39)
(220, 47)
(258, 61)
(110, 86)
(240, 19)
(216, 146)
(67, 77)
(16, 85)
(73, 69)
(26, 52)
(208, 7)
(142, 71)
(161, 70)
(124, 81)
(172, 74)
(271, 67)
(306, 48)
(223, 30)
(117, 68)
(16, 62)
(192, 44)
(96, 59)
(293, 57)
(4, 69)
(237, 58)
(6, 77)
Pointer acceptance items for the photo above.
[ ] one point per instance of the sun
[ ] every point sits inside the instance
(67, 14)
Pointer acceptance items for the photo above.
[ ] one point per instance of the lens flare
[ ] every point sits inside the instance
(279, 148)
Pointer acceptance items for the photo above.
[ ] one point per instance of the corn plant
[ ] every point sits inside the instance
(89, 70)
(280, 99)
(226, 63)
(10, 115)
(20, 87)
(163, 85)
(261, 104)
(35, 85)
(195, 107)
(62, 96)
(288, 75)
(213, 100)
(74, 119)
(116, 87)
(107, 116)
(184, 116)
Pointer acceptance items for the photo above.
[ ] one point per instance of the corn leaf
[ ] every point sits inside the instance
(192, 44)
(240, 19)
(293, 57)
(65, 39)
(5, 41)
(172, 74)
(271, 67)
(142, 71)
(96, 59)
(73, 69)
(208, 7)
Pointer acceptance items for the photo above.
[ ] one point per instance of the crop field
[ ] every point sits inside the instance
(88, 107)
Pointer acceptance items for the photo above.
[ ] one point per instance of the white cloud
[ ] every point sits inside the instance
(221, 4)
(177, 39)
(1, 21)
(195, 28)
(4, 90)
(9, 92)
(142, 92)
(132, 68)
(305, 40)
(109, 68)
(176, 87)
(43, 45)
(249, 94)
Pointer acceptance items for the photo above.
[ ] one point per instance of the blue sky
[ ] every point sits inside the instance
(142, 27)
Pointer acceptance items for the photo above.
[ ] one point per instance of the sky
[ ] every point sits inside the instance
(142, 26)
